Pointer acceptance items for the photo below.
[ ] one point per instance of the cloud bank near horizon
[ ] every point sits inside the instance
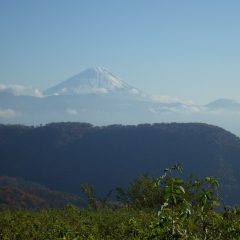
(19, 90)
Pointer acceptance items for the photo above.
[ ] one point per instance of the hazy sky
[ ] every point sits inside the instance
(188, 49)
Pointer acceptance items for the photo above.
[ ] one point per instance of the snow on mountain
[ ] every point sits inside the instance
(93, 80)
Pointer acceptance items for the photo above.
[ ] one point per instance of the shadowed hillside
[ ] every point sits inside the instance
(17, 193)
(63, 155)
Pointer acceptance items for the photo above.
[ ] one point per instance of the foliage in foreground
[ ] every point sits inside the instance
(166, 207)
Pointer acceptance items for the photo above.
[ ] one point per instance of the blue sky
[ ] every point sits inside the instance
(185, 49)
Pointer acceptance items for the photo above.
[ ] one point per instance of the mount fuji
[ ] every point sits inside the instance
(96, 80)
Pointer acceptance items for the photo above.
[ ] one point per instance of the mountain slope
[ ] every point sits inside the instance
(93, 80)
(62, 156)
(224, 104)
(17, 193)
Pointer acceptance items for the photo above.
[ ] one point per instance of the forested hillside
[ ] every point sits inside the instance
(64, 155)
(17, 193)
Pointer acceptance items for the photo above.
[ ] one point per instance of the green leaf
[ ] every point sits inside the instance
(182, 189)
(179, 181)
(174, 199)
(215, 204)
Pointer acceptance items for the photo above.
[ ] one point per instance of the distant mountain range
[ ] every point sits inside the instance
(62, 156)
(98, 96)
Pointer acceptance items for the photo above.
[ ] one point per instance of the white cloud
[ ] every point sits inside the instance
(165, 99)
(180, 109)
(80, 90)
(72, 111)
(134, 91)
(7, 113)
(90, 90)
(152, 110)
(222, 111)
(18, 90)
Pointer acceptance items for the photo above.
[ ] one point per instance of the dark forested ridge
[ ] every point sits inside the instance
(64, 155)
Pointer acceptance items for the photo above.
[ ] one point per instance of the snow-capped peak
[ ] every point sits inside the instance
(92, 80)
